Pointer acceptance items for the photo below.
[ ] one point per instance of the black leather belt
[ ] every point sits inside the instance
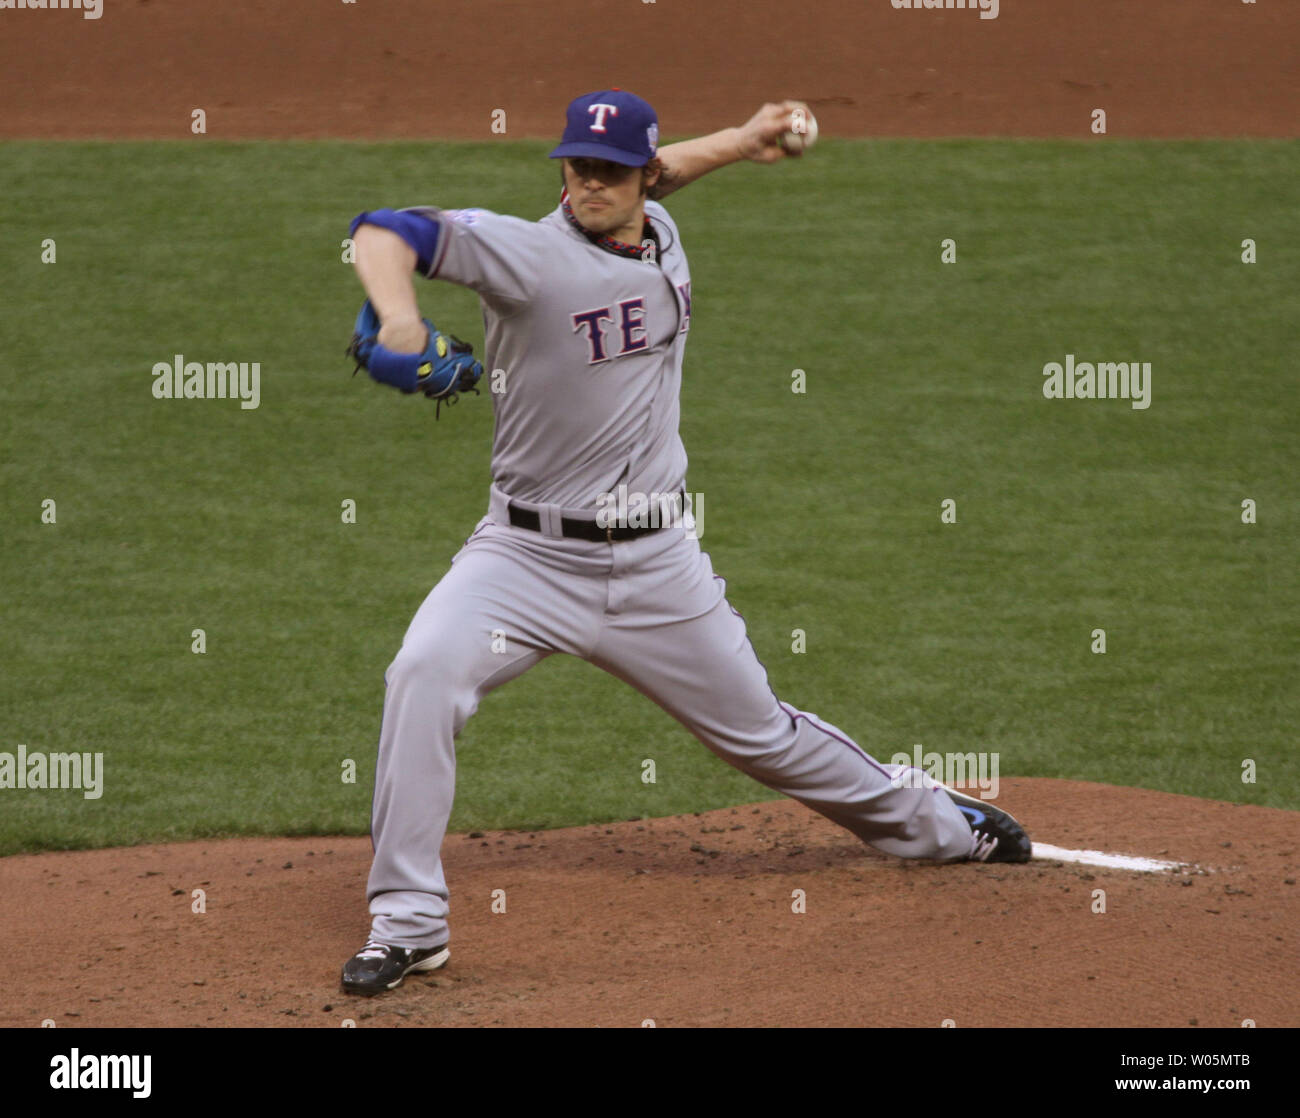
(583, 529)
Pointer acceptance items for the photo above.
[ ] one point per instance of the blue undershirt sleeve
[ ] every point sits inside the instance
(417, 230)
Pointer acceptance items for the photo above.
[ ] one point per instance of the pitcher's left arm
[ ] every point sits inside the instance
(758, 140)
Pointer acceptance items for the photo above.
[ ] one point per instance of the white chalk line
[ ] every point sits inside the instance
(1107, 861)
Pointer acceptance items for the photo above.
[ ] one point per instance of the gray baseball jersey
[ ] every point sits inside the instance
(591, 344)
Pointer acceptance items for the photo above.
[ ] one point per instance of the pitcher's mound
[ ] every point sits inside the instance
(758, 915)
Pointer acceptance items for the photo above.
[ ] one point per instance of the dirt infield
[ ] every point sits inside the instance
(303, 68)
(687, 922)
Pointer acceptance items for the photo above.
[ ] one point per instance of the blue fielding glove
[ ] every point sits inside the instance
(442, 371)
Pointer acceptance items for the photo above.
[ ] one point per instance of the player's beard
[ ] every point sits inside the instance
(599, 219)
(610, 220)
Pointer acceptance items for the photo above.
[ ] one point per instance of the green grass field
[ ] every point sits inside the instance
(823, 509)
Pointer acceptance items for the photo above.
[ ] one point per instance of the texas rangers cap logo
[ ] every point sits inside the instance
(599, 110)
(610, 124)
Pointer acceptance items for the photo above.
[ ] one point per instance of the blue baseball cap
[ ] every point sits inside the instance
(610, 124)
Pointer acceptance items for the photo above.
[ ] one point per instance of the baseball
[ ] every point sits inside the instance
(802, 133)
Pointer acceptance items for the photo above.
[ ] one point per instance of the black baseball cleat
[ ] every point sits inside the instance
(380, 966)
(995, 834)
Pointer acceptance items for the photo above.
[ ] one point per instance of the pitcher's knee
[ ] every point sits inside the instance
(428, 665)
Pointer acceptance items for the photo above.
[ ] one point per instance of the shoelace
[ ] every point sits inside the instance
(981, 846)
(373, 950)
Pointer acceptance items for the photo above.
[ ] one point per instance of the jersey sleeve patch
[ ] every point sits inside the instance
(465, 217)
(501, 257)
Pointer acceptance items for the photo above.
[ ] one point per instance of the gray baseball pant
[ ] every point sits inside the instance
(649, 611)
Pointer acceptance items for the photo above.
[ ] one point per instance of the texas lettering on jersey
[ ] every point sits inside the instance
(632, 330)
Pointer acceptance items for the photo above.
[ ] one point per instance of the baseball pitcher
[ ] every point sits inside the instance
(588, 312)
